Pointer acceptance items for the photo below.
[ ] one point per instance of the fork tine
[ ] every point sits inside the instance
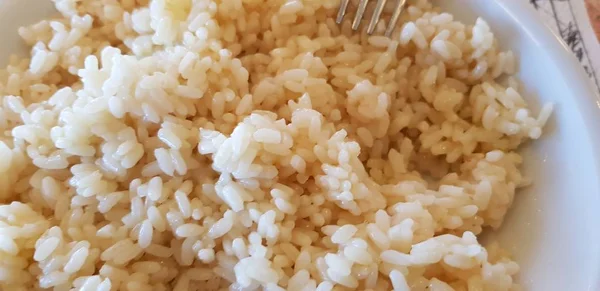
(376, 14)
(397, 10)
(342, 11)
(362, 6)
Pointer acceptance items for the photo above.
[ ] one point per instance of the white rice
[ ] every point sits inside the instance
(257, 145)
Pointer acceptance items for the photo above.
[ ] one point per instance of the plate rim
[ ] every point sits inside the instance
(587, 98)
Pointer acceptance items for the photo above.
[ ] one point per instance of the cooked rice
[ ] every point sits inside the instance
(202, 145)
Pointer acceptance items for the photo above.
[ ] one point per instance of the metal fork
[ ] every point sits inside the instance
(362, 6)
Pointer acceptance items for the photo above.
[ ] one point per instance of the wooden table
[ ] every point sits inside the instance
(593, 8)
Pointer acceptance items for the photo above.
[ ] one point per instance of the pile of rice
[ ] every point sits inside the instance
(255, 144)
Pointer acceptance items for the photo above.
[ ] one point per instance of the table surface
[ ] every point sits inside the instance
(593, 8)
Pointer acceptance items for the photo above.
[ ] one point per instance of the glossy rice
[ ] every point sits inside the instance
(257, 145)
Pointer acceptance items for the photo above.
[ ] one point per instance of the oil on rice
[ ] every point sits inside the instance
(257, 145)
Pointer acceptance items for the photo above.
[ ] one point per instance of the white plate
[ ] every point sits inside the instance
(553, 228)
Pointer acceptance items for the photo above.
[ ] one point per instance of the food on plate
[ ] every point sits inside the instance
(207, 145)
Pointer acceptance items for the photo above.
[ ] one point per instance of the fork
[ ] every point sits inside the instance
(362, 6)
